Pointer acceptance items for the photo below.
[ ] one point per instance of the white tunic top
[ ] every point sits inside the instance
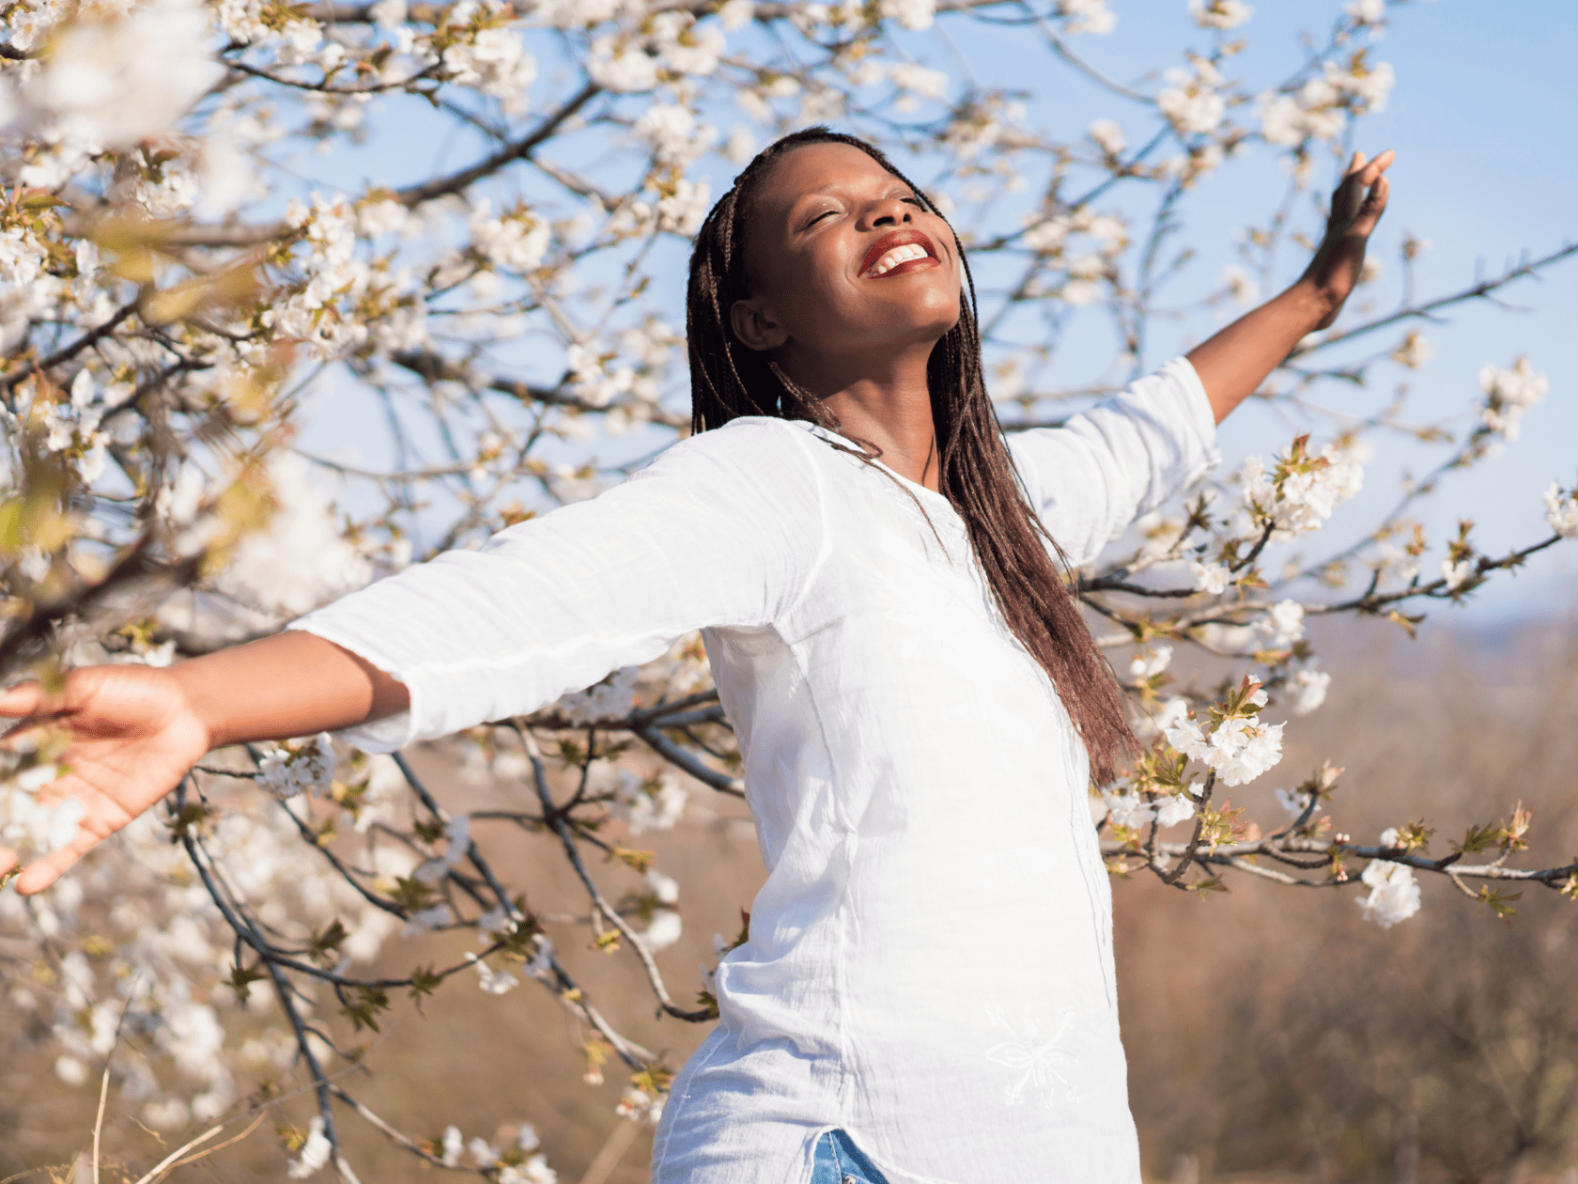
(929, 964)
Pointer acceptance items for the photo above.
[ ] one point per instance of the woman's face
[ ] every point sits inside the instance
(844, 261)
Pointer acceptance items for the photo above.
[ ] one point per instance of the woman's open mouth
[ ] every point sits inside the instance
(898, 253)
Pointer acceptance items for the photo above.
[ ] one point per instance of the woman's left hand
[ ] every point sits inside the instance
(1356, 207)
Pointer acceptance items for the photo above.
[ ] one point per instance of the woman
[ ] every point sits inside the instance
(927, 993)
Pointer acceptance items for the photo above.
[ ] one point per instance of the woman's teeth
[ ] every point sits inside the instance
(896, 256)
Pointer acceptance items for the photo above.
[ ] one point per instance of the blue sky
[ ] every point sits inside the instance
(1481, 119)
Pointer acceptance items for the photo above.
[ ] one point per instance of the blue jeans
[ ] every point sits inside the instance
(839, 1161)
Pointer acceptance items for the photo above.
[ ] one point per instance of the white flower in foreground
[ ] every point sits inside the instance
(1302, 491)
(1220, 14)
(314, 1153)
(1366, 12)
(1174, 809)
(111, 82)
(1211, 578)
(1127, 809)
(1239, 747)
(454, 1144)
(1311, 685)
(1561, 511)
(1394, 893)
(736, 14)
(300, 559)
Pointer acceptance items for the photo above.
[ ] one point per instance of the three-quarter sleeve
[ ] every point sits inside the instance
(722, 529)
(1124, 457)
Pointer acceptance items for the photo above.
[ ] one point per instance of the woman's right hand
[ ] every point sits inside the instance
(131, 734)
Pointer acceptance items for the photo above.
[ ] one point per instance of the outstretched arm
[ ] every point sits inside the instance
(1234, 363)
(131, 733)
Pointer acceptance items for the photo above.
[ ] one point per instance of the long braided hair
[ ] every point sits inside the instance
(976, 472)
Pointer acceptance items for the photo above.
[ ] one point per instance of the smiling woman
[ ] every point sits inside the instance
(920, 997)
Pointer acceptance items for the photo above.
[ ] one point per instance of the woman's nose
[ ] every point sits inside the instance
(887, 212)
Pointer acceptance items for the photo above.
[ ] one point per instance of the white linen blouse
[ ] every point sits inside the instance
(929, 965)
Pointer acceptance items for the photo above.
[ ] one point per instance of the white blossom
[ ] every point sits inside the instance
(621, 66)
(1456, 573)
(454, 1144)
(1087, 16)
(315, 1152)
(1394, 893)
(300, 560)
(929, 84)
(298, 766)
(663, 930)
(1300, 496)
(1561, 510)
(1239, 748)
(1107, 135)
(638, 1105)
(1283, 623)
(1241, 284)
(1127, 809)
(1173, 809)
(612, 698)
(1148, 666)
(1414, 350)
(664, 888)
(1220, 14)
(736, 14)
(1210, 578)
(120, 80)
(1508, 394)
(654, 803)
(1311, 686)
(516, 242)
(912, 14)
(1191, 101)
(494, 982)
(1366, 12)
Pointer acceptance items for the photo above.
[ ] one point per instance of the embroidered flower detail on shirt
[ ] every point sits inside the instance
(1038, 1060)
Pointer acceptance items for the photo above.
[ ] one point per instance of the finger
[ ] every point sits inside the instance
(39, 876)
(1355, 164)
(1374, 207)
(21, 700)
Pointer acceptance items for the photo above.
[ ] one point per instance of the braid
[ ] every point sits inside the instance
(975, 469)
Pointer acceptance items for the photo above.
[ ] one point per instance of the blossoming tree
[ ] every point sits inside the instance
(174, 285)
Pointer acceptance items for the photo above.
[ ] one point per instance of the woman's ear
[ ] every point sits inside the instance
(755, 325)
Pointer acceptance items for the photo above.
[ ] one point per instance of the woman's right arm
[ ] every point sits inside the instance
(135, 731)
(723, 529)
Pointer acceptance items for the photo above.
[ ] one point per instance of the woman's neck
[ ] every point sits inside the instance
(890, 409)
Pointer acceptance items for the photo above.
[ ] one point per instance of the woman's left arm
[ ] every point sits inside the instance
(1234, 362)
